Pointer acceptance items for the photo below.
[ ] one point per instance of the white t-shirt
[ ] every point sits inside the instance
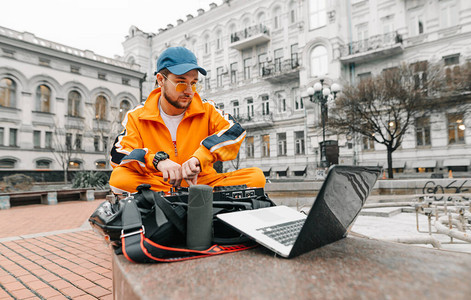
(172, 123)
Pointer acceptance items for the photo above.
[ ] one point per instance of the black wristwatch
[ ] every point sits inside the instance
(159, 156)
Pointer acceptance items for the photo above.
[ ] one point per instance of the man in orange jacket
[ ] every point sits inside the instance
(175, 137)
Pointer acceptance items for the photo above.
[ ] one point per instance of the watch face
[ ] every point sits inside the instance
(161, 155)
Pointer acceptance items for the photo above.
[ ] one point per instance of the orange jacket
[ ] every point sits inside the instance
(205, 132)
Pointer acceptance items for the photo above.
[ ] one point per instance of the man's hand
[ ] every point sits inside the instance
(190, 170)
(171, 171)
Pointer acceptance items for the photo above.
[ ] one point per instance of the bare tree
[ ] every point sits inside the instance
(65, 147)
(382, 108)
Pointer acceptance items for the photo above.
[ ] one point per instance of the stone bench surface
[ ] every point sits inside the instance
(352, 268)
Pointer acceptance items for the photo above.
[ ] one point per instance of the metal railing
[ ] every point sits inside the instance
(249, 32)
(372, 43)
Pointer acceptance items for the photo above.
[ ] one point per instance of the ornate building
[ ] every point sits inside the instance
(262, 56)
(60, 105)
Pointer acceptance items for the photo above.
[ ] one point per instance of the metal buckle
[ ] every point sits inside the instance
(125, 235)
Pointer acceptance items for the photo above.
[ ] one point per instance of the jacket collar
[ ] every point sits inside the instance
(151, 110)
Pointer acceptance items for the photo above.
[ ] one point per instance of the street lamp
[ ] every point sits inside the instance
(321, 93)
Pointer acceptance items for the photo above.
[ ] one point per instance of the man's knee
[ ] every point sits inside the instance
(256, 178)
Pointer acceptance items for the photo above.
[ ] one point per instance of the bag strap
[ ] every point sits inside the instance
(139, 249)
(160, 217)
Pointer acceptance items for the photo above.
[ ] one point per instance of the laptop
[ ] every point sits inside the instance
(290, 233)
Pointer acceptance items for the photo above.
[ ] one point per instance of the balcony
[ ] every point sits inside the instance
(281, 71)
(249, 37)
(376, 47)
(74, 122)
(258, 120)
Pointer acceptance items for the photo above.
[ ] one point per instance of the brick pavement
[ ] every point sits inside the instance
(49, 252)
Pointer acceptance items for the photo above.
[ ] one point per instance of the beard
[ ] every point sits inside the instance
(175, 103)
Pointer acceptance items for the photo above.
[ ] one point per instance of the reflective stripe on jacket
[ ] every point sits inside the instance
(205, 132)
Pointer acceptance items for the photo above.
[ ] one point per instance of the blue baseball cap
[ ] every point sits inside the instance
(178, 60)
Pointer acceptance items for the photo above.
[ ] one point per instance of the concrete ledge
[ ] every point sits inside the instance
(352, 268)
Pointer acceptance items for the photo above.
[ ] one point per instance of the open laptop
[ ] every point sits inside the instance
(290, 233)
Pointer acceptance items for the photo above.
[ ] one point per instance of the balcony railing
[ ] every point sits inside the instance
(249, 37)
(256, 120)
(281, 70)
(373, 47)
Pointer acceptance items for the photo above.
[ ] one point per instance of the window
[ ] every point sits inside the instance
(417, 25)
(43, 98)
(207, 80)
(43, 164)
(100, 108)
(219, 40)
(78, 142)
(420, 74)
(37, 139)
(388, 24)
(125, 81)
(266, 145)
(73, 104)
(317, 14)
(299, 142)
(68, 141)
(262, 64)
(7, 92)
(422, 131)
(298, 101)
(281, 101)
(105, 143)
(75, 69)
(7, 163)
(234, 72)
(13, 137)
(452, 68)
(282, 146)
(294, 56)
(247, 63)
(102, 76)
(206, 45)
(74, 165)
(278, 59)
(96, 143)
(235, 109)
(265, 105)
(48, 140)
(44, 62)
(250, 111)
(364, 76)
(368, 143)
(124, 107)
(456, 128)
(2, 136)
(362, 36)
(219, 72)
(249, 142)
(220, 106)
(277, 18)
(101, 164)
(319, 61)
(292, 12)
(449, 15)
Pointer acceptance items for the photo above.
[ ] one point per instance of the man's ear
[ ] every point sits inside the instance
(160, 79)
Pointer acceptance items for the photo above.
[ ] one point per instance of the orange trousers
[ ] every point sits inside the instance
(126, 180)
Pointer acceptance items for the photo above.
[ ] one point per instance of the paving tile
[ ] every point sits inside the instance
(48, 292)
(73, 292)
(98, 291)
(23, 294)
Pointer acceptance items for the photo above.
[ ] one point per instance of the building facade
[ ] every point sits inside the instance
(60, 105)
(262, 56)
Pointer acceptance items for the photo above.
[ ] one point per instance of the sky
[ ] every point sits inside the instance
(97, 25)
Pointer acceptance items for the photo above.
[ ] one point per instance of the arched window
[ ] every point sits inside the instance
(43, 164)
(261, 18)
(43, 98)
(206, 45)
(7, 92)
(7, 163)
(75, 164)
(219, 40)
(292, 12)
(131, 60)
(124, 107)
(277, 18)
(74, 104)
(100, 108)
(319, 61)
(100, 164)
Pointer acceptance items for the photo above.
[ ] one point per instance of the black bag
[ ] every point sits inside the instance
(150, 226)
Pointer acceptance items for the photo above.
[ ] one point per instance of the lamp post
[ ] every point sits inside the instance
(321, 93)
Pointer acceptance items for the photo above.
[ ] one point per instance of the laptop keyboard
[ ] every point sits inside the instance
(285, 233)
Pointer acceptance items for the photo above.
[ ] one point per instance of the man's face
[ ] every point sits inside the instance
(179, 100)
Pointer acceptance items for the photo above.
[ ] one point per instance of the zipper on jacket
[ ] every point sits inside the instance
(175, 147)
